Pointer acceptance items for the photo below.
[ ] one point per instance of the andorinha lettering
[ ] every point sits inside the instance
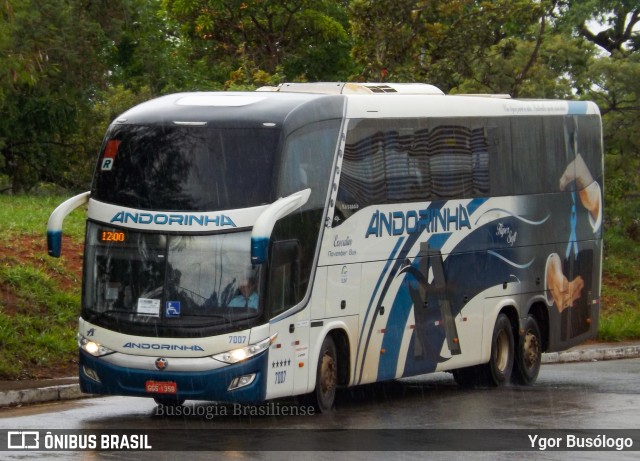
(432, 220)
(162, 347)
(163, 219)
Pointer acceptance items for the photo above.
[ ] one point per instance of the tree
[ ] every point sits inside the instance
(610, 24)
(389, 37)
(49, 69)
(301, 39)
(59, 61)
(460, 45)
(67, 67)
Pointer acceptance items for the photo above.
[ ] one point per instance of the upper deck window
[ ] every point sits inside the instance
(191, 168)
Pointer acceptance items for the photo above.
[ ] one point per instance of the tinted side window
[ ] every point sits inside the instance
(590, 143)
(410, 160)
(308, 158)
(307, 161)
(450, 161)
(543, 148)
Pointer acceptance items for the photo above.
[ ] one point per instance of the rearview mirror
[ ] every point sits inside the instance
(262, 229)
(54, 226)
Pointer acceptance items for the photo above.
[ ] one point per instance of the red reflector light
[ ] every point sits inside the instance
(111, 149)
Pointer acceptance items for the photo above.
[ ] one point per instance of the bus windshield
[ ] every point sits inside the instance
(169, 281)
(190, 168)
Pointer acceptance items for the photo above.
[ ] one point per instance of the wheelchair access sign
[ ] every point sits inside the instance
(172, 309)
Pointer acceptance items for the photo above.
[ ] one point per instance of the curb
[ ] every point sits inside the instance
(17, 397)
(593, 354)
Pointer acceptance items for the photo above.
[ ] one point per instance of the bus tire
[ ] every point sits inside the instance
(498, 371)
(324, 394)
(528, 354)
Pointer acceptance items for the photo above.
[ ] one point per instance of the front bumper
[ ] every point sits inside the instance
(192, 385)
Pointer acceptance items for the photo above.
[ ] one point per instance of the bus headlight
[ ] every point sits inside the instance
(93, 347)
(243, 353)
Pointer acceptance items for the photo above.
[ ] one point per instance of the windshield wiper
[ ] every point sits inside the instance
(100, 315)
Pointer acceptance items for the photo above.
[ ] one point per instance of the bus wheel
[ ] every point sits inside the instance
(529, 354)
(326, 377)
(498, 371)
(168, 401)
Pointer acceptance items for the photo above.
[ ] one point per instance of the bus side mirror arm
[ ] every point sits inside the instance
(261, 234)
(54, 226)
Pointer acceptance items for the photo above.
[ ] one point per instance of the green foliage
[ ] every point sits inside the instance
(622, 202)
(610, 24)
(303, 38)
(620, 319)
(458, 45)
(386, 38)
(70, 67)
(28, 215)
(620, 326)
(617, 91)
(41, 295)
(48, 49)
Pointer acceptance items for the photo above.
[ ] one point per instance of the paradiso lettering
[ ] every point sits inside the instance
(432, 220)
(163, 219)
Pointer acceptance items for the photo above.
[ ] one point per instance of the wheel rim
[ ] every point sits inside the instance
(502, 351)
(327, 374)
(531, 350)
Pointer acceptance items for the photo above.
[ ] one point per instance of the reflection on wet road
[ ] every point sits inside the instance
(596, 395)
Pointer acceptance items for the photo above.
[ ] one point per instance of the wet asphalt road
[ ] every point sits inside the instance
(575, 397)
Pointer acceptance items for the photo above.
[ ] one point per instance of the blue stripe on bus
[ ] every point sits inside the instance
(475, 204)
(54, 243)
(578, 107)
(399, 317)
(392, 340)
(402, 305)
(259, 249)
(397, 264)
(375, 291)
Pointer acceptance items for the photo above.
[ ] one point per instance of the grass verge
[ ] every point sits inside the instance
(620, 314)
(39, 295)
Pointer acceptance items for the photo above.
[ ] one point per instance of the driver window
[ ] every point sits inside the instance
(284, 276)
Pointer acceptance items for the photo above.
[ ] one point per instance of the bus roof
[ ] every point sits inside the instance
(354, 88)
(413, 106)
(401, 100)
(230, 108)
(273, 105)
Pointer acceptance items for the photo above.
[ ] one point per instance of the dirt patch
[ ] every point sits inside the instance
(66, 274)
(32, 250)
(63, 370)
(8, 300)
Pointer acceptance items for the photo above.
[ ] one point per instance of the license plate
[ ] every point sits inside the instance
(161, 387)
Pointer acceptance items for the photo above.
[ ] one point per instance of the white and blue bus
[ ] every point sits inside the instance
(294, 240)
